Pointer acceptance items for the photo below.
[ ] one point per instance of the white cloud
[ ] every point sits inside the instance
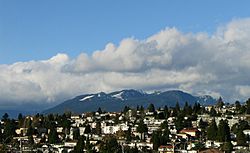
(216, 64)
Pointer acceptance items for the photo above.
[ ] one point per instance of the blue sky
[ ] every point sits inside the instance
(53, 50)
(35, 30)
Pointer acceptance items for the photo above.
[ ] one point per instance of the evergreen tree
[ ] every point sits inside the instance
(98, 128)
(141, 109)
(76, 134)
(248, 106)
(142, 128)
(196, 108)
(160, 138)
(30, 131)
(187, 109)
(87, 130)
(177, 107)
(227, 147)
(241, 138)
(88, 146)
(213, 112)
(151, 108)
(125, 109)
(128, 149)
(128, 135)
(5, 117)
(53, 136)
(166, 113)
(110, 146)
(30, 140)
(99, 110)
(80, 144)
(212, 131)
(220, 103)
(20, 120)
(1, 134)
(156, 139)
(179, 122)
(237, 106)
(9, 130)
(202, 124)
(223, 133)
(164, 125)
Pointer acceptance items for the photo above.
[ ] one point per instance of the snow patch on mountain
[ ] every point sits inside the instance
(87, 97)
(118, 96)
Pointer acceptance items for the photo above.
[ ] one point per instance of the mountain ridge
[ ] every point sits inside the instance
(115, 101)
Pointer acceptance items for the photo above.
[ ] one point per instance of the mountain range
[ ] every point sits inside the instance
(116, 101)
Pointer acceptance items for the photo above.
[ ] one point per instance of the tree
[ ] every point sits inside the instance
(151, 108)
(30, 131)
(89, 147)
(76, 134)
(179, 122)
(87, 130)
(202, 124)
(160, 138)
(156, 139)
(142, 128)
(177, 107)
(212, 131)
(80, 144)
(237, 105)
(223, 133)
(198, 146)
(98, 128)
(240, 126)
(187, 109)
(248, 106)
(196, 108)
(5, 117)
(164, 125)
(30, 140)
(128, 135)
(53, 136)
(110, 145)
(125, 109)
(128, 149)
(9, 130)
(141, 109)
(20, 120)
(166, 113)
(227, 147)
(220, 103)
(1, 134)
(99, 110)
(241, 138)
(213, 112)
(64, 122)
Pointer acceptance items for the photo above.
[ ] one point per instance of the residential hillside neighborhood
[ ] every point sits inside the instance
(222, 127)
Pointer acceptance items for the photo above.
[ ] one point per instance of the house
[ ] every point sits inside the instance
(247, 132)
(191, 131)
(166, 149)
(211, 150)
(70, 144)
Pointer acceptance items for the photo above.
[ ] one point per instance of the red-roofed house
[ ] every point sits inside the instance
(166, 149)
(192, 132)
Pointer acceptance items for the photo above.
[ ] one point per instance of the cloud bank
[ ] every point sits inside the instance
(217, 64)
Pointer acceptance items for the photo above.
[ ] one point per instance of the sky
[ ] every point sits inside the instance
(54, 50)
